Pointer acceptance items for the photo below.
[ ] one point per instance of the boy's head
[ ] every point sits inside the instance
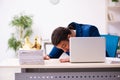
(60, 38)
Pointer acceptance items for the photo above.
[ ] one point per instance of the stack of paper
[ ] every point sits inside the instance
(118, 53)
(112, 60)
(31, 57)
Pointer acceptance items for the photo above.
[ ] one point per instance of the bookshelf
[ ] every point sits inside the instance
(113, 17)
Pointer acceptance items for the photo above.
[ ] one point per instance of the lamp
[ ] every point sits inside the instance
(54, 2)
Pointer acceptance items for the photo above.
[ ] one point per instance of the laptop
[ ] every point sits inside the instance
(87, 49)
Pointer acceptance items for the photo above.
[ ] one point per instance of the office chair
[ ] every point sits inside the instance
(47, 47)
(111, 44)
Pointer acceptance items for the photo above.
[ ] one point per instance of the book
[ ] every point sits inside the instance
(31, 57)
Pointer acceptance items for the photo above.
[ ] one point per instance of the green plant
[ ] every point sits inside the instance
(22, 24)
(115, 0)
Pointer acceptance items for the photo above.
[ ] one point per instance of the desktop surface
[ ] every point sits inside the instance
(54, 70)
(55, 63)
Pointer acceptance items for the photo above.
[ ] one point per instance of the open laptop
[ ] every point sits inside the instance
(87, 49)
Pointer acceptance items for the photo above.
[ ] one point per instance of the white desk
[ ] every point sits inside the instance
(54, 70)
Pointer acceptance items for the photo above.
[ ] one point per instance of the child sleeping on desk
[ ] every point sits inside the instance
(60, 38)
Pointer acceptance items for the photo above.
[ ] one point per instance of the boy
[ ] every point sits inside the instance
(60, 38)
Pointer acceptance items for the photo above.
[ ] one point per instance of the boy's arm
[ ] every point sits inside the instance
(55, 53)
(94, 31)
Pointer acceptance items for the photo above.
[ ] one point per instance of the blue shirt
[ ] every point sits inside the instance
(82, 30)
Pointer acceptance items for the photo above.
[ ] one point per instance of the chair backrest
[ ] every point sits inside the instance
(47, 47)
(111, 44)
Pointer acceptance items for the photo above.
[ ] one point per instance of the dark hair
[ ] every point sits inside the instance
(59, 34)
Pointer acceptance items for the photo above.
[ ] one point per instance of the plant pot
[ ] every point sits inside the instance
(114, 3)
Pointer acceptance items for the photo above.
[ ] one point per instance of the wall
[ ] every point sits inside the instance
(47, 16)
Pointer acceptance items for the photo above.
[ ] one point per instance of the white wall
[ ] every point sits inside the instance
(47, 16)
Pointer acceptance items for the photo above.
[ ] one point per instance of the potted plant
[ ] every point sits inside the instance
(22, 24)
(115, 2)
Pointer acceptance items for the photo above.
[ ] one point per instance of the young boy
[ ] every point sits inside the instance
(60, 38)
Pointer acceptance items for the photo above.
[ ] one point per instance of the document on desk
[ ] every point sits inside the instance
(112, 60)
(31, 57)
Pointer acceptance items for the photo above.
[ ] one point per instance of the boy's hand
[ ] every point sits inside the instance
(46, 57)
(64, 60)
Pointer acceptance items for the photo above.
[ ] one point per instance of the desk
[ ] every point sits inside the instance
(54, 70)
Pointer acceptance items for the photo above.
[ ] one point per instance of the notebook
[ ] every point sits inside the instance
(87, 49)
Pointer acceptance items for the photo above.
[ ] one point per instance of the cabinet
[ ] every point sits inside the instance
(113, 17)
